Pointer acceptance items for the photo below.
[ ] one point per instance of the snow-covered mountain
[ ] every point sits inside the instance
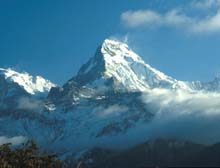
(212, 86)
(15, 86)
(117, 65)
(101, 106)
(32, 85)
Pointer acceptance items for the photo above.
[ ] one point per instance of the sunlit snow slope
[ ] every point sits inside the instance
(32, 85)
(116, 63)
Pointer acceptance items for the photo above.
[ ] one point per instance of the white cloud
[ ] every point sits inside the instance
(210, 24)
(173, 18)
(184, 101)
(17, 140)
(26, 103)
(205, 4)
(180, 114)
(111, 110)
(140, 18)
(152, 18)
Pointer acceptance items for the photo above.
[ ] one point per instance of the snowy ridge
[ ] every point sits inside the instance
(128, 68)
(32, 85)
(128, 71)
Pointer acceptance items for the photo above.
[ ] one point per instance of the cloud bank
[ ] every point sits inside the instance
(178, 18)
(180, 114)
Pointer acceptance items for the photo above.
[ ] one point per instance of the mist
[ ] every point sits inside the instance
(184, 115)
(26, 103)
(17, 140)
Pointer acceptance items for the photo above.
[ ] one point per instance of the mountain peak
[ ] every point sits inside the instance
(116, 65)
(32, 85)
(118, 50)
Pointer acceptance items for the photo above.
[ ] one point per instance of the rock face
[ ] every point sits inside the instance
(100, 106)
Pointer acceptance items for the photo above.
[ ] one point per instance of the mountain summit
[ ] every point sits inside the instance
(117, 65)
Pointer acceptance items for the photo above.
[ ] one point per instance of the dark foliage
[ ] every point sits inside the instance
(27, 156)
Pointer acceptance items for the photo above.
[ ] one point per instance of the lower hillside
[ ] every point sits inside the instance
(153, 153)
(160, 152)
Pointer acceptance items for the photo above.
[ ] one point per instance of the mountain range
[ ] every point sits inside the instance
(101, 106)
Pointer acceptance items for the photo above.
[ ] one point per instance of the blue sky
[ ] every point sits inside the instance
(54, 38)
